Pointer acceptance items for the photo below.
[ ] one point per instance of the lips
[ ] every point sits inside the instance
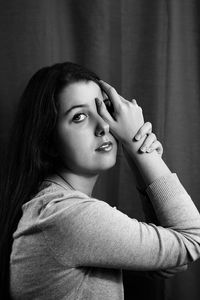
(107, 146)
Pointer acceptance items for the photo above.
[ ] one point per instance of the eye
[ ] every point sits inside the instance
(79, 117)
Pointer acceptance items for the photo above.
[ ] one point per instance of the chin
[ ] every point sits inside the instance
(106, 166)
(93, 170)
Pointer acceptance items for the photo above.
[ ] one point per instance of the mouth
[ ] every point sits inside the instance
(105, 147)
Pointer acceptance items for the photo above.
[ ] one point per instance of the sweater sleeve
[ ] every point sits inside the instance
(89, 232)
(150, 217)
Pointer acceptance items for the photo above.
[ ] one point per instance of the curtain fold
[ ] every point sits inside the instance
(148, 50)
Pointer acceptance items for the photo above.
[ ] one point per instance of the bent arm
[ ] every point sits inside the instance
(176, 242)
(91, 233)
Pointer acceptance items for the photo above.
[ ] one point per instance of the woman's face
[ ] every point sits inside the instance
(82, 137)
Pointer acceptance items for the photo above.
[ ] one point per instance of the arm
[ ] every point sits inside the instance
(87, 232)
(150, 144)
(125, 121)
(80, 231)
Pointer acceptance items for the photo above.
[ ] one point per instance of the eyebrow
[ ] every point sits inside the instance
(75, 106)
(79, 105)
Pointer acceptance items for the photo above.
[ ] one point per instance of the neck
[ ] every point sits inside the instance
(82, 183)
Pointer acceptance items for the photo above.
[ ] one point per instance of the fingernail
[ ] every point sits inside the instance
(138, 137)
(143, 149)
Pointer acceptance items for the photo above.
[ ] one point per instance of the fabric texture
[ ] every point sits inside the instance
(70, 246)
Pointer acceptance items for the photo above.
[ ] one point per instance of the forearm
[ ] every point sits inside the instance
(174, 243)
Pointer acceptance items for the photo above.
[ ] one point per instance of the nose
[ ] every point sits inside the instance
(102, 128)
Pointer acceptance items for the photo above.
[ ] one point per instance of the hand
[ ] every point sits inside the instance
(150, 143)
(127, 116)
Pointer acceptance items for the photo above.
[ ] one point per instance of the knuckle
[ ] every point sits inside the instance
(134, 102)
(129, 104)
(139, 107)
(106, 125)
(122, 106)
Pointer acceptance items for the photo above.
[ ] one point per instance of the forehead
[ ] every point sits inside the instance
(83, 92)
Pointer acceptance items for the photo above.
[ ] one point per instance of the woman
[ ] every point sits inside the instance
(58, 242)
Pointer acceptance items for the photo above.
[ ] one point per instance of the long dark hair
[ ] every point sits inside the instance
(31, 153)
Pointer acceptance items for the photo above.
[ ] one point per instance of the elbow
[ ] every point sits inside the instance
(167, 273)
(193, 248)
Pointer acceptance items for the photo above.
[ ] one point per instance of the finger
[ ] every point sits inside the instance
(150, 139)
(102, 110)
(145, 129)
(112, 94)
(156, 146)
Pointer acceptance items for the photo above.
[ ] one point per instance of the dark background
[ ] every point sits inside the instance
(149, 50)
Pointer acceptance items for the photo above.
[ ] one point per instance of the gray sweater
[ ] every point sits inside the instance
(70, 246)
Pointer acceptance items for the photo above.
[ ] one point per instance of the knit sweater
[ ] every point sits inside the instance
(71, 246)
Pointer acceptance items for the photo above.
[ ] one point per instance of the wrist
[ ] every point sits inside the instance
(133, 146)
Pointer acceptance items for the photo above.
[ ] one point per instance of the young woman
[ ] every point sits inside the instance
(57, 241)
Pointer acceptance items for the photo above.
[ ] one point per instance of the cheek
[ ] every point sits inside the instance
(72, 145)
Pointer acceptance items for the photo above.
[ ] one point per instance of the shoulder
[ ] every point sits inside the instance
(56, 199)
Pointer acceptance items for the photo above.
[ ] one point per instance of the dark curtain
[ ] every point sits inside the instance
(149, 50)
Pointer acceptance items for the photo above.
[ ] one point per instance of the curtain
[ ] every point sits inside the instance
(148, 50)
